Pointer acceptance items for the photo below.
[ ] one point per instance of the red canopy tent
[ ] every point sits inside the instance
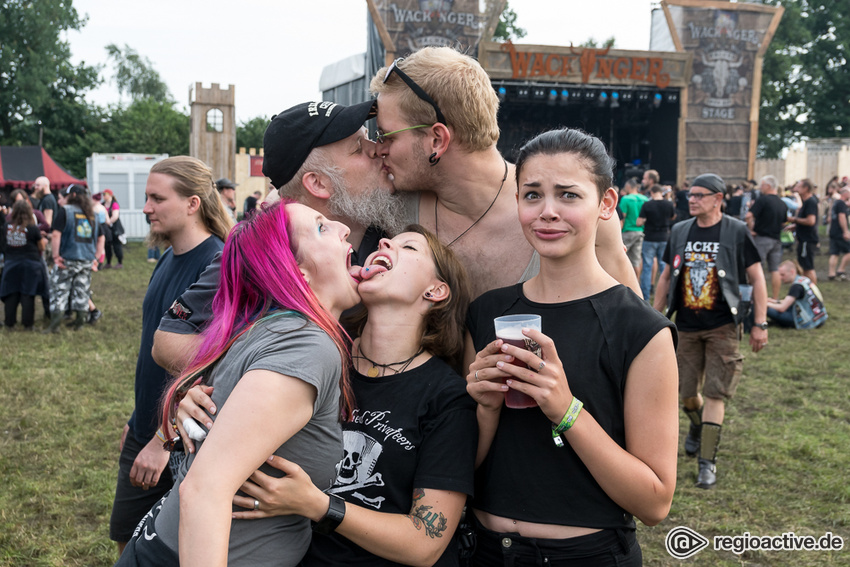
(20, 165)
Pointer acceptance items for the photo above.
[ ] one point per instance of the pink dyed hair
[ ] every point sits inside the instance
(259, 272)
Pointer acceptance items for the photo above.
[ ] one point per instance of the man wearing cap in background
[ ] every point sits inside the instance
(227, 192)
(709, 259)
(318, 154)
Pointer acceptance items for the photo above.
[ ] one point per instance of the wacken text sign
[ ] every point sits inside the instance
(408, 25)
(728, 42)
(583, 65)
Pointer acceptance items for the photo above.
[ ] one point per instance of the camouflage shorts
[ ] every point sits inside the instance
(73, 281)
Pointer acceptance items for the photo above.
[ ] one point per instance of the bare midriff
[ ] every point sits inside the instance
(531, 529)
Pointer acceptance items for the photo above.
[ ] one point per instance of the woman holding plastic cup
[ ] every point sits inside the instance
(560, 483)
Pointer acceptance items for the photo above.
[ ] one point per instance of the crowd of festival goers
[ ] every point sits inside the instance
(322, 383)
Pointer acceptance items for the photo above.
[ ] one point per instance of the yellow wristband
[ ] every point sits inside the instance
(567, 421)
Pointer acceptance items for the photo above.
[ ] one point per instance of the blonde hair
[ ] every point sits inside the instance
(459, 86)
(192, 177)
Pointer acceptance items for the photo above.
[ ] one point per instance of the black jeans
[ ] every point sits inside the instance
(27, 303)
(113, 244)
(607, 548)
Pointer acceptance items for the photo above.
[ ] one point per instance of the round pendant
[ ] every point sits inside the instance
(373, 372)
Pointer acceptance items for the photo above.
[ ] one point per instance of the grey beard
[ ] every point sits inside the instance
(374, 207)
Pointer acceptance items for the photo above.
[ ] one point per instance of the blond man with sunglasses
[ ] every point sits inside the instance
(437, 134)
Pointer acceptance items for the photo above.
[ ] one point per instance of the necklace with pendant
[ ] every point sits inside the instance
(458, 237)
(374, 369)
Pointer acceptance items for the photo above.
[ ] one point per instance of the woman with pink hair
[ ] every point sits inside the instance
(277, 357)
(410, 444)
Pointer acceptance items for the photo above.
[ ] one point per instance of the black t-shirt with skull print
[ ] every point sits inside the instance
(702, 306)
(414, 430)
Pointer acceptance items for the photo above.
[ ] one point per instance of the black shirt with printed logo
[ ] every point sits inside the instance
(702, 306)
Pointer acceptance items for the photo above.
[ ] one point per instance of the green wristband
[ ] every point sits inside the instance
(567, 421)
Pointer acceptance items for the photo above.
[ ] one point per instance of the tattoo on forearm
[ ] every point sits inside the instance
(435, 523)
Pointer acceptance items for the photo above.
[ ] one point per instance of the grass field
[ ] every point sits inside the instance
(783, 463)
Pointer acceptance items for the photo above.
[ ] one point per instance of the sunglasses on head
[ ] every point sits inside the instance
(417, 90)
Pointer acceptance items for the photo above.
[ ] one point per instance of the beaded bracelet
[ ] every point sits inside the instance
(567, 422)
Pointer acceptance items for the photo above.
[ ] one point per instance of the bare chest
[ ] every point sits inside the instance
(494, 256)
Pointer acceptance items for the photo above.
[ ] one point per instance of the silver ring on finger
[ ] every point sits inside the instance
(476, 376)
(256, 504)
(541, 366)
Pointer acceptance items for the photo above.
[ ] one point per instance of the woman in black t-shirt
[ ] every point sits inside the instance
(24, 274)
(410, 443)
(560, 483)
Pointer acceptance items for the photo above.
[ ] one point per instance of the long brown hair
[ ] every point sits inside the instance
(192, 177)
(22, 214)
(79, 197)
(445, 321)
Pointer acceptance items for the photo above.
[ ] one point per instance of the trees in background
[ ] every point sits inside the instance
(805, 85)
(250, 134)
(43, 96)
(806, 80)
(40, 90)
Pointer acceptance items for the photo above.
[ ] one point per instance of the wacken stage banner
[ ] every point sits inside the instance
(408, 25)
(728, 42)
(584, 65)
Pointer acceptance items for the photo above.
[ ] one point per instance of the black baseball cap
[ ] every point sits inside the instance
(225, 183)
(711, 182)
(295, 132)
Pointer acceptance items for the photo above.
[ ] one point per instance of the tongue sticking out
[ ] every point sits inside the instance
(354, 272)
(371, 271)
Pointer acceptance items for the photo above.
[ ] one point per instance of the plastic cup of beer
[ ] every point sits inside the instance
(509, 329)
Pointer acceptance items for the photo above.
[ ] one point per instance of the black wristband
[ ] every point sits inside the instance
(333, 517)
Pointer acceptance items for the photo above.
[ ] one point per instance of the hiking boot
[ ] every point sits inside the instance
(82, 317)
(707, 477)
(94, 316)
(709, 443)
(55, 321)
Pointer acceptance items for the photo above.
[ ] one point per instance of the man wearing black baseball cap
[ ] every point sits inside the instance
(710, 258)
(227, 192)
(318, 154)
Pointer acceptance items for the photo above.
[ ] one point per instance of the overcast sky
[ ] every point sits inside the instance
(274, 50)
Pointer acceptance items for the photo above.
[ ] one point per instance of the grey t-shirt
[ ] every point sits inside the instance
(289, 345)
